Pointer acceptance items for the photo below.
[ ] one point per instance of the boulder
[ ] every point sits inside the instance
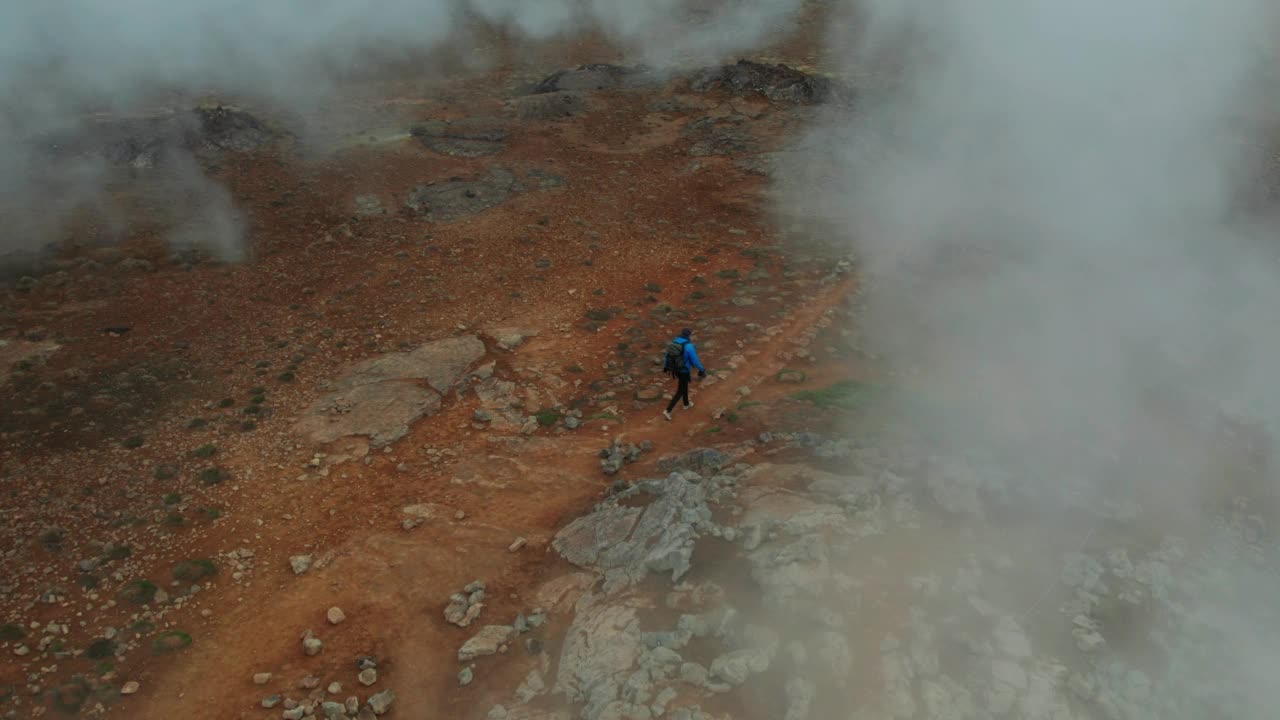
(601, 648)
(625, 542)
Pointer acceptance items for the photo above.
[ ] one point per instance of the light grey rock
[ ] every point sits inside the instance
(532, 687)
(800, 696)
(381, 397)
(381, 702)
(625, 543)
(488, 641)
(1011, 639)
(736, 666)
(694, 674)
(601, 649)
(465, 676)
(301, 563)
(333, 711)
(664, 698)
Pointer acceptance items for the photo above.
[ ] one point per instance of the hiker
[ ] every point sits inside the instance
(680, 358)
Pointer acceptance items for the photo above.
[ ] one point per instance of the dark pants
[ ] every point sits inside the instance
(682, 391)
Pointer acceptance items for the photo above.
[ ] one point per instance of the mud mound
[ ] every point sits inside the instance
(458, 197)
(462, 138)
(232, 129)
(779, 83)
(145, 142)
(548, 106)
(596, 76)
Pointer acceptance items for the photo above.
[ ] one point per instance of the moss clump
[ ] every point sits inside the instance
(170, 641)
(194, 570)
(138, 592)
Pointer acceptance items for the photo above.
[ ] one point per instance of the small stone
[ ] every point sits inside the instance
(335, 616)
(330, 710)
(261, 678)
(310, 682)
(381, 702)
(366, 662)
(334, 688)
(129, 688)
(353, 705)
(519, 543)
(301, 563)
(368, 677)
(465, 676)
(21, 650)
(459, 515)
(294, 714)
(270, 701)
(312, 646)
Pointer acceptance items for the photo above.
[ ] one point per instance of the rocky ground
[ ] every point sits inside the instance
(405, 458)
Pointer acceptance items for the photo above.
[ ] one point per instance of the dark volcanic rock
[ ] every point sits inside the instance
(779, 83)
(598, 76)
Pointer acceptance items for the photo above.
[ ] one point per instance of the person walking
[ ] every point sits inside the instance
(681, 358)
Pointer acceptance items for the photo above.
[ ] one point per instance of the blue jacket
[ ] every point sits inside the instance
(690, 355)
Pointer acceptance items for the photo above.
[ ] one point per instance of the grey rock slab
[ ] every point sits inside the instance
(625, 542)
(486, 642)
(601, 648)
(380, 397)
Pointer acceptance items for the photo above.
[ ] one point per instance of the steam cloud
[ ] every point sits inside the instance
(1047, 199)
(60, 60)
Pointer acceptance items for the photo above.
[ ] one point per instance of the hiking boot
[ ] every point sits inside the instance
(666, 414)
(688, 406)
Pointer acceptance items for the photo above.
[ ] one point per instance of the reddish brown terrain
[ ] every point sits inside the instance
(357, 412)
(155, 481)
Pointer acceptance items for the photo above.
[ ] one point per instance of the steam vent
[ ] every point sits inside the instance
(616, 360)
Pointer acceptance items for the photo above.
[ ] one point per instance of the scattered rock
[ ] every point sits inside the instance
(335, 616)
(380, 703)
(465, 676)
(519, 543)
(301, 563)
(368, 677)
(130, 687)
(700, 460)
(465, 607)
(311, 644)
(262, 678)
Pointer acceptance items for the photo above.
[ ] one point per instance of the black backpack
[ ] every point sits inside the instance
(674, 363)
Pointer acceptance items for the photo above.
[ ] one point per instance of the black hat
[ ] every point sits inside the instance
(686, 332)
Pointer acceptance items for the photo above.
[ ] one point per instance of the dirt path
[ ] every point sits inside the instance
(393, 584)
